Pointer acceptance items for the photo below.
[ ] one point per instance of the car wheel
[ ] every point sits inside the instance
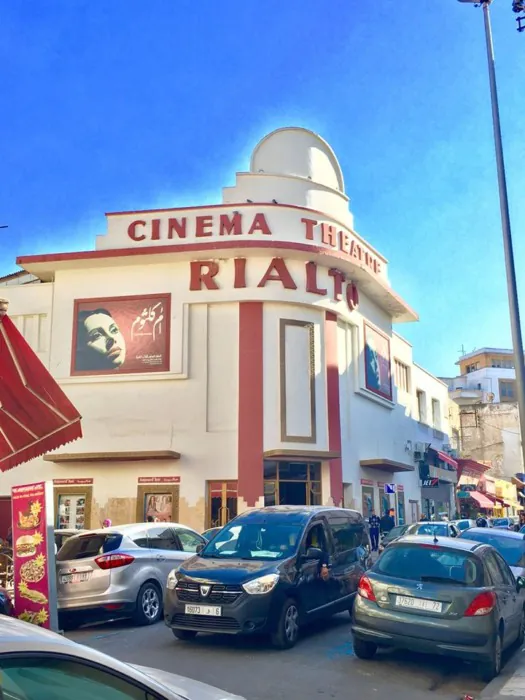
(287, 633)
(184, 635)
(68, 623)
(492, 667)
(149, 606)
(364, 650)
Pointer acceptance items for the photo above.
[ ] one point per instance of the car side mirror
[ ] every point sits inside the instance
(199, 548)
(313, 554)
(520, 583)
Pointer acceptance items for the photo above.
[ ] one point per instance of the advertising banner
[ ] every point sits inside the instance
(34, 554)
(378, 378)
(121, 335)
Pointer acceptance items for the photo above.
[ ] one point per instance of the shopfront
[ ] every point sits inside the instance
(225, 357)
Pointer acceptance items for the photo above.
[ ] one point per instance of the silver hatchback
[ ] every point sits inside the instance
(120, 571)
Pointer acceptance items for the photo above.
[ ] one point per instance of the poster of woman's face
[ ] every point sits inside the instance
(121, 335)
(159, 506)
(377, 363)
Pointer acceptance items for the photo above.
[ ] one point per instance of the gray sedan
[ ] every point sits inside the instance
(35, 663)
(441, 596)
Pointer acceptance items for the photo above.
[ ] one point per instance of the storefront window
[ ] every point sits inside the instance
(292, 483)
(158, 506)
(368, 501)
(71, 511)
(400, 508)
(222, 502)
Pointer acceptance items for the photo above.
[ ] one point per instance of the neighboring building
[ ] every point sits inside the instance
(485, 376)
(235, 355)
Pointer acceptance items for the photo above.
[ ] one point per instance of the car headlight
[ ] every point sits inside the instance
(261, 585)
(173, 577)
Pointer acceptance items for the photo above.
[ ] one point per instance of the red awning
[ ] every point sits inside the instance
(444, 457)
(35, 415)
(469, 467)
(481, 500)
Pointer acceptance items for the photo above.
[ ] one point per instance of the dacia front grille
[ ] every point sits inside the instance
(220, 594)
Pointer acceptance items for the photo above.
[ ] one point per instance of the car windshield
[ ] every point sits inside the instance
(500, 522)
(429, 563)
(438, 529)
(463, 525)
(254, 541)
(512, 549)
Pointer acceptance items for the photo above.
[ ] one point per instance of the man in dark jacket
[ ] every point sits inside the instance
(387, 522)
(374, 523)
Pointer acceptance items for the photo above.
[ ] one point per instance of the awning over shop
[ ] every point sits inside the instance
(444, 457)
(35, 414)
(386, 465)
(469, 467)
(139, 456)
(481, 499)
(496, 500)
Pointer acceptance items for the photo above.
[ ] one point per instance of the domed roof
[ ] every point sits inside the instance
(298, 152)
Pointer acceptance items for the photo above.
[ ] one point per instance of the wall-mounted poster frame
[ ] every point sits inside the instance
(378, 365)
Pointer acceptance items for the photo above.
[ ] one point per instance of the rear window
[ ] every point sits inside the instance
(512, 549)
(429, 562)
(438, 529)
(87, 546)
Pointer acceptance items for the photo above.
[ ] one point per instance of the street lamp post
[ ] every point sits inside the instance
(512, 289)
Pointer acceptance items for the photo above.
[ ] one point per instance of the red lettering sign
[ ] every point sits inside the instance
(132, 231)
(367, 482)
(159, 480)
(311, 280)
(72, 482)
(202, 272)
(278, 272)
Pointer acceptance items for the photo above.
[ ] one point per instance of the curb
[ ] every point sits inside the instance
(511, 683)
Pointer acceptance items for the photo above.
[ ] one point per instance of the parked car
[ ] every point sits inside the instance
(62, 535)
(389, 537)
(263, 574)
(503, 523)
(464, 524)
(439, 529)
(511, 545)
(36, 663)
(211, 533)
(120, 571)
(453, 597)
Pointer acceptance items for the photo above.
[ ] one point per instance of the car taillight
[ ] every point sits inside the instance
(483, 604)
(114, 561)
(365, 589)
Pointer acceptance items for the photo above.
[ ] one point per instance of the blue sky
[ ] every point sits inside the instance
(108, 106)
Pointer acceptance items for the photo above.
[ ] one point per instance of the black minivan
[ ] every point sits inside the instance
(270, 571)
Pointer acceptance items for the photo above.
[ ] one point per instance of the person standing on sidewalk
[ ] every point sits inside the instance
(374, 523)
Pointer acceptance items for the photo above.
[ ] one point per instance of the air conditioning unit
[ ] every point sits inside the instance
(419, 451)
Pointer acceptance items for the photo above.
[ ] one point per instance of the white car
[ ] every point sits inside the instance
(35, 663)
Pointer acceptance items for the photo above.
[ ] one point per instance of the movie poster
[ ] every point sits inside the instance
(121, 335)
(33, 554)
(378, 376)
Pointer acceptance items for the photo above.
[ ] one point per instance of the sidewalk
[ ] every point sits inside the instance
(511, 683)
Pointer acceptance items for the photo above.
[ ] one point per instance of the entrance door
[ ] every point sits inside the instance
(222, 502)
(292, 483)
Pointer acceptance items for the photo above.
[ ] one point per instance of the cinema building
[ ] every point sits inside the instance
(229, 356)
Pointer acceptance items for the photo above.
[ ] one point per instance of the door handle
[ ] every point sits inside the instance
(161, 557)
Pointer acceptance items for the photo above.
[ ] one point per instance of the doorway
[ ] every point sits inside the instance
(222, 503)
(292, 483)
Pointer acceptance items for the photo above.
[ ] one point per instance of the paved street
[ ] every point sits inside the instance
(321, 666)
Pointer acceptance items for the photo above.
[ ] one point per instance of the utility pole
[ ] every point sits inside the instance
(512, 289)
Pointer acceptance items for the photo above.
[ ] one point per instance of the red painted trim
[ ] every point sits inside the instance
(101, 300)
(198, 247)
(251, 419)
(334, 410)
(377, 391)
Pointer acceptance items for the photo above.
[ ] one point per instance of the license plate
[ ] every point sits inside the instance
(75, 578)
(404, 601)
(210, 610)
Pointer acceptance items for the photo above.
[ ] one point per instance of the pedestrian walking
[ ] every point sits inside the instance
(387, 522)
(481, 521)
(374, 523)
(106, 523)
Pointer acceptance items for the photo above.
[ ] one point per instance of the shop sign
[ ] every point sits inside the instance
(72, 482)
(400, 488)
(34, 554)
(203, 274)
(390, 488)
(381, 484)
(159, 480)
(463, 494)
(367, 482)
(430, 483)
(212, 226)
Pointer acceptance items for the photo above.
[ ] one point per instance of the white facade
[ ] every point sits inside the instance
(275, 354)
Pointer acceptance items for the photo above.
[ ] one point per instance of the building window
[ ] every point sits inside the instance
(436, 414)
(421, 406)
(292, 483)
(507, 390)
(472, 367)
(401, 373)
